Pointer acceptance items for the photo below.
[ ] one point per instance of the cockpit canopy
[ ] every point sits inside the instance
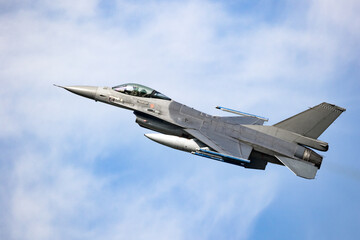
(139, 91)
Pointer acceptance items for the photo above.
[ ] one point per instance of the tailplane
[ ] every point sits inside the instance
(298, 167)
(312, 122)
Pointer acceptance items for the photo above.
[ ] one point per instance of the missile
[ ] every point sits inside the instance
(242, 113)
(180, 143)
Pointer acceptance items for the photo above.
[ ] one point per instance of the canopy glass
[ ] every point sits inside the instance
(139, 91)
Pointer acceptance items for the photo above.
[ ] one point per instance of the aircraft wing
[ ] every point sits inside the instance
(226, 146)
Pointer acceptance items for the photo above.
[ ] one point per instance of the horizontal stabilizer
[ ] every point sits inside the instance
(300, 168)
(312, 122)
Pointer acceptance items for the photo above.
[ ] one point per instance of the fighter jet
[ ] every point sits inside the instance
(241, 140)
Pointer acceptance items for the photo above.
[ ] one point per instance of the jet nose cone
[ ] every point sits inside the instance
(85, 91)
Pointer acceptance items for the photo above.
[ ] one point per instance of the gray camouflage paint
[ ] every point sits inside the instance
(240, 137)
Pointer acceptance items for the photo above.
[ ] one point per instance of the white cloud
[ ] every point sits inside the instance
(55, 200)
(81, 8)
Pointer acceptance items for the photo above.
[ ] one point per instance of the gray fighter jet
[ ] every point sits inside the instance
(241, 140)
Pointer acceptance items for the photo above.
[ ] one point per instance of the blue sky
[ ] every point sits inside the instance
(71, 168)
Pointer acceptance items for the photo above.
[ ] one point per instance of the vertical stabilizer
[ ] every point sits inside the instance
(312, 122)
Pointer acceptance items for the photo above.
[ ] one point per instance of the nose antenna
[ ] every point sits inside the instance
(58, 86)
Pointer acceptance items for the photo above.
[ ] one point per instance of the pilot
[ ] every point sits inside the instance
(142, 93)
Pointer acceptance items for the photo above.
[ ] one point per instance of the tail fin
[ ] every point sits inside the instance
(312, 122)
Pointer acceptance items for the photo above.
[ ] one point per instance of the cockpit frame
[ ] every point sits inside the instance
(139, 90)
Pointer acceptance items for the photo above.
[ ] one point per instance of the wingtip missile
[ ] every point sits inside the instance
(241, 113)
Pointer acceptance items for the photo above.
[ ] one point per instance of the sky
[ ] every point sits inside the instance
(71, 168)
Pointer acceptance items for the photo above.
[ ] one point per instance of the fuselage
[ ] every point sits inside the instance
(170, 117)
(242, 140)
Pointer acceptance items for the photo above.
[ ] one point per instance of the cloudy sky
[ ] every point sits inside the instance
(71, 168)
